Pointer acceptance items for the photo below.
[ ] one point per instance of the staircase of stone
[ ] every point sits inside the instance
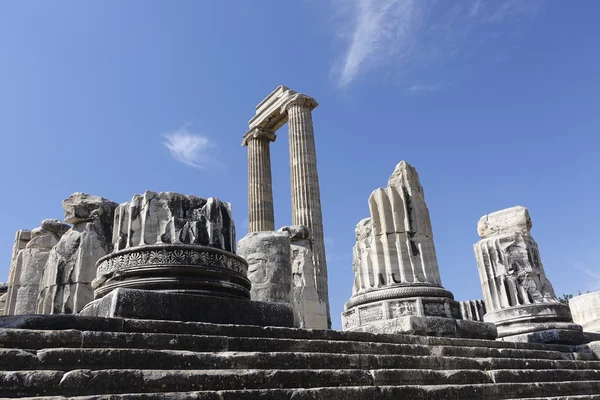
(67, 356)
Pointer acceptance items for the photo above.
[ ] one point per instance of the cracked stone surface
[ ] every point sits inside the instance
(65, 286)
(168, 217)
(28, 267)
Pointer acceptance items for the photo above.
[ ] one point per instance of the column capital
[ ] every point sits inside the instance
(256, 133)
(300, 99)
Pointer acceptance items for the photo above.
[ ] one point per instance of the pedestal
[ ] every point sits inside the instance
(173, 306)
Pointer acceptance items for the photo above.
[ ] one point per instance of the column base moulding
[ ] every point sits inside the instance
(398, 292)
(430, 316)
(174, 267)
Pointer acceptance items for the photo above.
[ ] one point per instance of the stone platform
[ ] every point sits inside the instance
(147, 304)
(112, 358)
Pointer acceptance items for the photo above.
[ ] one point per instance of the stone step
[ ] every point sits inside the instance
(113, 381)
(111, 358)
(574, 397)
(556, 390)
(36, 339)
(68, 322)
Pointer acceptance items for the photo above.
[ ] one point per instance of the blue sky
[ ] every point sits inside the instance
(495, 102)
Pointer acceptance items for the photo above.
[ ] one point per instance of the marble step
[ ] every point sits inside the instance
(68, 322)
(412, 392)
(34, 339)
(110, 358)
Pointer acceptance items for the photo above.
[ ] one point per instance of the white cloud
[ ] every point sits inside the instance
(189, 148)
(415, 34)
(425, 88)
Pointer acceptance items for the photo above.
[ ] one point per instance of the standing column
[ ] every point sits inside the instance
(306, 195)
(261, 216)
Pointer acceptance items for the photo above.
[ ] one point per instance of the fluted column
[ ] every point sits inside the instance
(306, 197)
(261, 216)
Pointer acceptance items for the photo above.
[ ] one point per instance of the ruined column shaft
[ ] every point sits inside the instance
(261, 216)
(306, 201)
(518, 296)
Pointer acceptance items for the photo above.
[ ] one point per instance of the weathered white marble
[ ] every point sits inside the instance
(28, 267)
(397, 285)
(173, 218)
(261, 216)
(585, 309)
(311, 312)
(395, 245)
(65, 287)
(281, 106)
(518, 296)
(269, 268)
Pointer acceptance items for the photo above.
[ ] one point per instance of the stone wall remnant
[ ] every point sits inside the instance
(28, 266)
(65, 287)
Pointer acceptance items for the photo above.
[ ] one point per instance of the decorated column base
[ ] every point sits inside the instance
(538, 323)
(430, 316)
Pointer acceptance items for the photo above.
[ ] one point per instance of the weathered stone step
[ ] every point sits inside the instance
(114, 381)
(33, 339)
(68, 322)
(107, 358)
(583, 389)
(574, 397)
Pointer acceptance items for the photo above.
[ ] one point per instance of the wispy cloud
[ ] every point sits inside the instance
(425, 88)
(189, 148)
(415, 34)
(593, 275)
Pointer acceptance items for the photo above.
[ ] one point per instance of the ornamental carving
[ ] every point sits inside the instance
(403, 308)
(435, 309)
(350, 320)
(370, 314)
(149, 256)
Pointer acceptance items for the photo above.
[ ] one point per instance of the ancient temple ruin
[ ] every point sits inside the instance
(281, 106)
(397, 285)
(180, 313)
(519, 298)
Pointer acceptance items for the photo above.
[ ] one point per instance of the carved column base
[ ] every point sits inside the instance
(432, 326)
(174, 268)
(431, 316)
(537, 323)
